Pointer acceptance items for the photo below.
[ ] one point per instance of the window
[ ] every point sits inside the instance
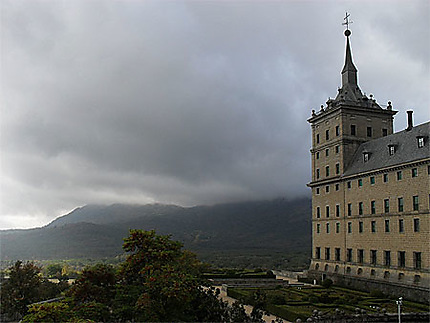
(365, 157)
(391, 149)
(401, 259)
(337, 169)
(360, 208)
(337, 227)
(360, 227)
(327, 253)
(373, 226)
(417, 260)
(327, 134)
(360, 182)
(337, 187)
(372, 180)
(387, 258)
(349, 185)
(327, 211)
(318, 212)
(337, 131)
(384, 132)
(386, 205)
(317, 155)
(373, 207)
(337, 254)
(414, 172)
(360, 256)
(400, 204)
(317, 190)
(353, 130)
(327, 152)
(349, 209)
(318, 173)
(327, 171)
(327, 188)
(401, 226)
(369, 131)
(420, 141)
(318, 228)
(387, 225)
(318, 138)
(318, 252)
(399, 175)
(415, 202)
(416, 225)
(349, 255)
(373, 254)
(349, 227)
(385, 178)
(336, 149)
(327, 227)
(337, 210)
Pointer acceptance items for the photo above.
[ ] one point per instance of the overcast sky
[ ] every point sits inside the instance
(185, 102)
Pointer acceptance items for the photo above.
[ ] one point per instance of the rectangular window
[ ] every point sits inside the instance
(337, 169)
(317, 155)
(416, 204)
(327, 188)
(318, 212)
(373, 207)
(317, 190)
(369, 131)
(349, 255)
(318, 173)
(401, 226)
(327, 227)
(349, 227)
(384, 132)
(391, 150)
(360, 256)
(385, 178)
(387, 258)
(420, 141)
(349, 209)
(400, 204)
(414, 172)
(337, 131)
(417, 260)
(360, 227)
(337, 254)
(327, 211)
(318, 138)
(373, 254)
(327, 253)
(337, 227)
(372, 180)
(387, 225)
(353, 130)
(399, 175)
(373, 226)
(386, 205)
(318, 228)
(327, 171)
(318, 252)
(327, 152)
(337, 187)
(327, 134)
(401, 259)
(349, 185)
(360, 182)
(337, 210)
(416, 225)
(336, 149)
(360, 208)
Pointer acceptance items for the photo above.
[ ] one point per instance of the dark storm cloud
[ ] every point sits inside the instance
(183, 102)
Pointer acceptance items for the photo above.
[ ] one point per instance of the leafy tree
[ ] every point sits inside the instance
(21, 289)
(49, 312)
(54, 271)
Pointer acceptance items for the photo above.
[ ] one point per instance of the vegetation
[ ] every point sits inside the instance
(158, 281)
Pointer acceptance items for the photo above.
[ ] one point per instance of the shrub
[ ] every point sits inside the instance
(327, 283)
(376, 293)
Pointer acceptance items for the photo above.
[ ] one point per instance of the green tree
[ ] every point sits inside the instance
(21, 289)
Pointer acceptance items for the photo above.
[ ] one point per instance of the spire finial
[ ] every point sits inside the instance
(347, 23)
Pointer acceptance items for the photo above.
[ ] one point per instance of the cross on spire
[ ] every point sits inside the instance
(347, 23)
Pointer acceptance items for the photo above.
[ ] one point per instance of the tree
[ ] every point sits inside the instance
(21, 289)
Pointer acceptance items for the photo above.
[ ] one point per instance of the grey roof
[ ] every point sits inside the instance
(406, 150)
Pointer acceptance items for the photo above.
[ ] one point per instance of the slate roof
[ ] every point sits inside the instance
(406, 150)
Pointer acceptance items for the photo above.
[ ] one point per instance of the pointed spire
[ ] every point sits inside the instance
(349, 72)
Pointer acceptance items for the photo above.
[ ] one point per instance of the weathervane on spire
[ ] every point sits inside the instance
(347, 23)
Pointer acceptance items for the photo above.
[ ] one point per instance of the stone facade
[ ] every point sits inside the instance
(370, 192)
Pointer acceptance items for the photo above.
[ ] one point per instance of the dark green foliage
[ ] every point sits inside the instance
(376, 293)
(327, 283)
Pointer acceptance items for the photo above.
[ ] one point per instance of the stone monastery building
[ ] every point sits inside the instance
(370, 194)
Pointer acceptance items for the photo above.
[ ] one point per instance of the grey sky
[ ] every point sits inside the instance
(185, 102)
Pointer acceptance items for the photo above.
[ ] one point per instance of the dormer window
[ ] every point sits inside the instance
(420, 141)
(391, 149)
(366, 156)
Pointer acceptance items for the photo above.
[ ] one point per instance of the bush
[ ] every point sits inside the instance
(327, 283)
(376, 293)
